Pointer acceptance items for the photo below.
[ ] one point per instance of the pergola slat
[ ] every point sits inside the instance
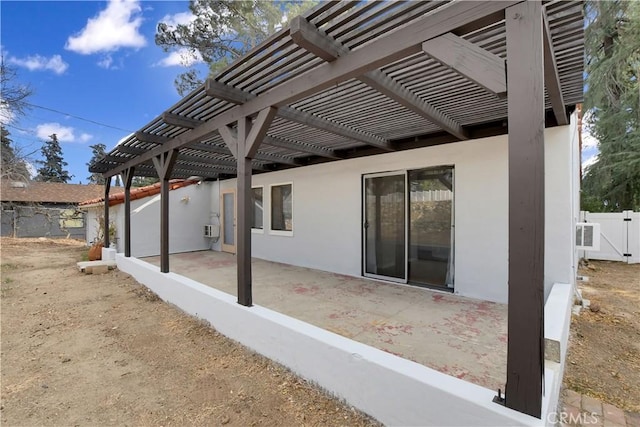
(311, 39)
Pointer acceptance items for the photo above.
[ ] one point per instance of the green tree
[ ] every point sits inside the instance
(612, 99)
(224, 30)
(13, 165)
(98, 151)
(52, 167)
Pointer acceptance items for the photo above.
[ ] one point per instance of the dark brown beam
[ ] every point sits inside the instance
(302, 148)
(207, 169)
(205, 161)
(551, 76)
(151, 138)
(243, 253)
(315, 41)
(469, 60)
(127, 178)
(237, 96)
(525, 70)
(130, 150)
(385, 50)
(180, 121)
(258, 131)
(261, 156)
(229, 137)
(107, 187)
(245, 142)
(164, 166)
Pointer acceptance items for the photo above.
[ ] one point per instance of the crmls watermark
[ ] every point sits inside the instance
(582, 418)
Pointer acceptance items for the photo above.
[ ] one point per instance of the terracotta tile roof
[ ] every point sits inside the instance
(50, 192)
(139, 192)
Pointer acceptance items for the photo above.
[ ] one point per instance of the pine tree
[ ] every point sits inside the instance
(52, 169)
(13, 165)
(98, 152)
(612, 99)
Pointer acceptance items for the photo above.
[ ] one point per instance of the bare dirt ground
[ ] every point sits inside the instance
(604, 351)
(102, 350)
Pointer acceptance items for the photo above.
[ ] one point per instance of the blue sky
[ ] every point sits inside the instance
(97, 61)
(94, 60)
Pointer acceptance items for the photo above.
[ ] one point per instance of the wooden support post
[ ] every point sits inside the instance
(243, 217)
(127, 177)
(525, 351)
(164, 165)
(244, 144)
(107, 187)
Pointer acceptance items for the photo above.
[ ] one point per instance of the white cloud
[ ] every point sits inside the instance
(182, 58)
(39, 62)
(64, 133)
(182, 18)
(113, 28)
(106, 63)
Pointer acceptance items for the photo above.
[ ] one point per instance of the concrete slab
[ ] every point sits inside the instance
(82, 265)
(462, 337)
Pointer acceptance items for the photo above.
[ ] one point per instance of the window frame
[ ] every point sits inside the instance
(253, 229)
(273, 232)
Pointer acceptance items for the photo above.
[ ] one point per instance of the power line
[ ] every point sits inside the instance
(78, 117)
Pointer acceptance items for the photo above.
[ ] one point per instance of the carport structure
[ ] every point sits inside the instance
(350, 79)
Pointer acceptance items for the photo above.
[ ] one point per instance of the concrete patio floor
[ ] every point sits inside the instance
(458, 336)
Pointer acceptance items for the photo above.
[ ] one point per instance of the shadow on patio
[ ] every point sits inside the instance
(458, 336)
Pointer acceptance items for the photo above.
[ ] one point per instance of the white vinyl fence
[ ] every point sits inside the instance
(619, 236)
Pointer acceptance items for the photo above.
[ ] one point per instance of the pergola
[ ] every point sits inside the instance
(350, 79)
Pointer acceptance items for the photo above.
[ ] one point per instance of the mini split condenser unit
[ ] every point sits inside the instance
(212, 231)
(588, 236)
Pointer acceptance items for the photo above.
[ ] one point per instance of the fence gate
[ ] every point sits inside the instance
(619, 236)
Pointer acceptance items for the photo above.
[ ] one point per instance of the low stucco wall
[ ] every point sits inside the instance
(393, 390)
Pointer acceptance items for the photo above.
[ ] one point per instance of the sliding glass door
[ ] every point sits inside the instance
(385, 226)
(408, 226)
(431, 227)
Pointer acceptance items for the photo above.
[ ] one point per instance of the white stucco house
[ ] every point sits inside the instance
(426, 144)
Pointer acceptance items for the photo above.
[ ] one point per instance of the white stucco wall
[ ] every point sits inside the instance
(188, 213)
(327, 211)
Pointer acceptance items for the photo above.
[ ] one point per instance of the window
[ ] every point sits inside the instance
(282, 207)
(257, 209)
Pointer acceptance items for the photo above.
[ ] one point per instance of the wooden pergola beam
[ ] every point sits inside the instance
(151, 138)
(469, 60)
(131, 150)
(525, 70)
(315, 41)
(186, 159)
(180, 121)
(164, 164)
(244, 143)
(551, 76)
(384, 50)
(228, 93)
(107, 188)
(263, 157)
(303, 148)
(127, 179)
(258, 131)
